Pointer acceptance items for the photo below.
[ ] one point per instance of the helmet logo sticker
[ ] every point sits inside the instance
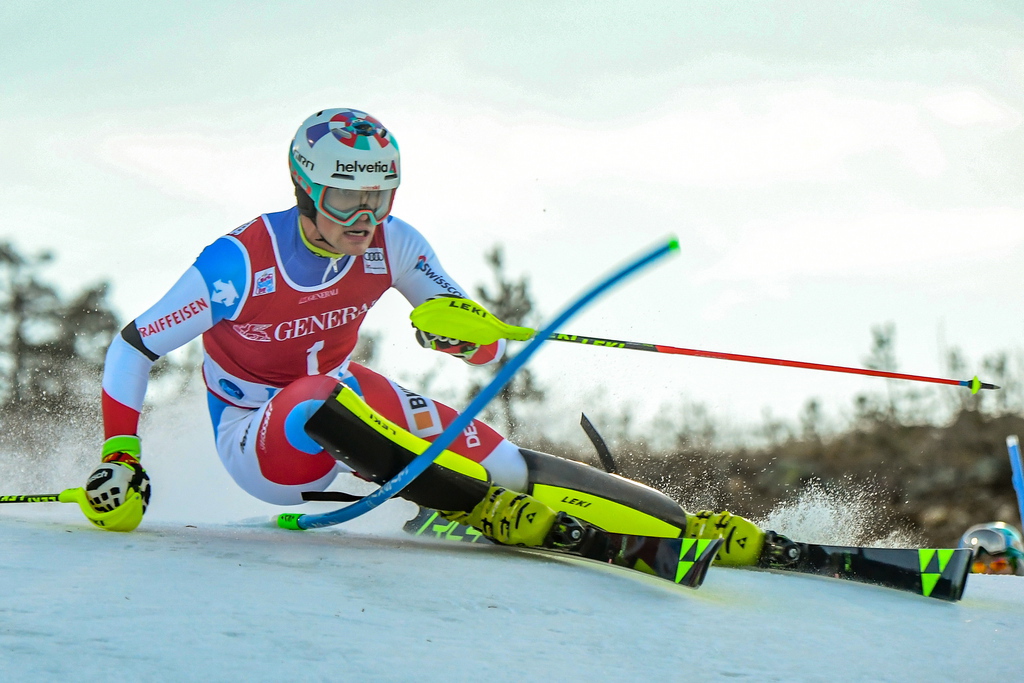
(352, 128)
(356, 167)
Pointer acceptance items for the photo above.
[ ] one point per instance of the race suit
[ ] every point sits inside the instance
(279, 324)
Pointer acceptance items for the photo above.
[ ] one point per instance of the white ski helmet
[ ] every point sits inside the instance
(345, 165)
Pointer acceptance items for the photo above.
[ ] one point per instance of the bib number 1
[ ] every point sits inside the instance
(312, 362)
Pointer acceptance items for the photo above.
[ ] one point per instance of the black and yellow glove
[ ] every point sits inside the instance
(118, 489)
(456, 347)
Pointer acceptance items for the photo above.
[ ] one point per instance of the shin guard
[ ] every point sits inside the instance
(606, 500)
(377, 449)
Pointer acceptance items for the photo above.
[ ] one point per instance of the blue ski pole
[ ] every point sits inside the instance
(1013, 446)
(421, 462)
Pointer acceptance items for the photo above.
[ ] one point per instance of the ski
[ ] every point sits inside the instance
(684, 561)
(939, 573)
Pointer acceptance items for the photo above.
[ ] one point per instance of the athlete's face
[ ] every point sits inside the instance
(338, 239)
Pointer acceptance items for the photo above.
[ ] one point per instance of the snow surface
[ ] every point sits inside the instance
(207, 589)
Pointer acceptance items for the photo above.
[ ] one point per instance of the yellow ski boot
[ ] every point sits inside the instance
(743, 540)
(509, 517)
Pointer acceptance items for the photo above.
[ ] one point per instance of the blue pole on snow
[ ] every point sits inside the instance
(1013, 446)
(421, 462)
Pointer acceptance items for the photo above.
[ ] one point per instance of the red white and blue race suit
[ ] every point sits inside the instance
(279, 323)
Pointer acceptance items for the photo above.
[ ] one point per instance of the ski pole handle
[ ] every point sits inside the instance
(65, 496)
(113, 520)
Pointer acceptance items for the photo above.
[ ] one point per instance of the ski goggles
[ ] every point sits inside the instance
(345, 207)
(987, 540)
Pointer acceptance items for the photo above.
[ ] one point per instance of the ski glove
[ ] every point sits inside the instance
(119, 483)
(456, 347)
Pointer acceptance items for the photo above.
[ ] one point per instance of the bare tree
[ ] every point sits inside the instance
(510, 300)
(883, 357)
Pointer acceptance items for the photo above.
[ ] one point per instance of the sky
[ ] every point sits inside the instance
(826, 167)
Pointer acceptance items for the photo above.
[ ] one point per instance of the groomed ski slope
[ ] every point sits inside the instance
(206, 589)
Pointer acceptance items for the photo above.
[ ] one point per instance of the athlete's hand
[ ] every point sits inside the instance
(463, 319)
(119, 485)
(456, 347)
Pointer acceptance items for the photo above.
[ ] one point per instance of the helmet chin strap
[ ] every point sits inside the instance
(309, 242)
(321, 237)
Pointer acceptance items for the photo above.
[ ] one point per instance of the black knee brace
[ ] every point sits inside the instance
(345, 428)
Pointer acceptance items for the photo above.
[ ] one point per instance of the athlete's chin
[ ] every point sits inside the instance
(356, 247)
(354, 242)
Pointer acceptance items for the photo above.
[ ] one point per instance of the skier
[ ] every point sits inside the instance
(998, 548)
(279, 301)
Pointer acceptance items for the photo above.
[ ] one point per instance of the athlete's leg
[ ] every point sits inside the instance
(605, 500)
(623, 506)
(611, 502)
(267, 452)
(377, 448)
(608, 501)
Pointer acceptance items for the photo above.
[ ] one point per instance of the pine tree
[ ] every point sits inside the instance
(51, 350)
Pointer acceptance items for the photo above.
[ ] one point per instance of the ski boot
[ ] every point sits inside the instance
(513, 518)
(509, 517)
(743, 541)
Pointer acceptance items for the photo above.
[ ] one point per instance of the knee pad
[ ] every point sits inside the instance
(609, 501)
(377, 449)
(286, 455)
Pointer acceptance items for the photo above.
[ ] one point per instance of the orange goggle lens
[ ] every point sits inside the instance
(996, 564)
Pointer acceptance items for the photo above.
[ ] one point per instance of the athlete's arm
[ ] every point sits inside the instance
(418, 275)
(212, 289)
